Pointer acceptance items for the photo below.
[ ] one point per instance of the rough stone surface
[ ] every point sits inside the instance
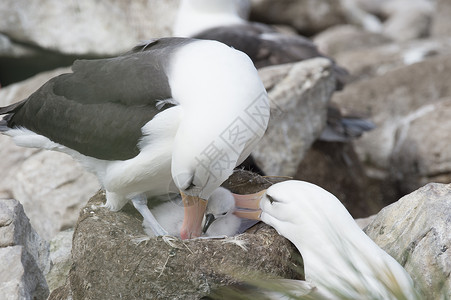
(422, 153)
(86, 27)
(441, 25)
(110, 261)
(51, 186)
(15, 229)
(24, 256)
(298, 116)
(390, 100)
(376, 61)
(60, 258)
(336, 168)
(19, 61)
(344, 38)
(416, 232)
(306, 16)
(407, 19)
(20, 277)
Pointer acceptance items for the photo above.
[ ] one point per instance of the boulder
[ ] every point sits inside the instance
(441, 25)
(60, 259)
(86, 27)
(299, 94)
(113, 259)
(407, 19)
(51, 186)
(15, 230)
(19, 61)
(337, 168)
(415, 231)
(20, 277)
(24, 255)
(308, 17)
(376, 61)
(390, 100)
(422, 153)
(344, 38)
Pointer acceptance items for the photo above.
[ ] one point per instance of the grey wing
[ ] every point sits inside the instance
(99, 109)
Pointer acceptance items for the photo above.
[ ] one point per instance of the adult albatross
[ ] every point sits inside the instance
(340, 260)
(173, 115)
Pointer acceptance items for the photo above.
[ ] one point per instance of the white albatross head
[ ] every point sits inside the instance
(338, 256)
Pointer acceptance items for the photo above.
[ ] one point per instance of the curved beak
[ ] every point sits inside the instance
(209, 219)
(194, 213)
(248, 206)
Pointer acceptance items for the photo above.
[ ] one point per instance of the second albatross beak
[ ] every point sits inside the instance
(248, 206)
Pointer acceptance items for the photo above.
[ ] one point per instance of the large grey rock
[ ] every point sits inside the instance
(407, 19)
(393, 98)
(416, 232)
(344, 38)
(86, 27)
(51, 186)
(111, 260)
(441, 25)
(337, 168)
(60, 259)
(299, 94)
(10, 49)
(306, 16)
(20, 277)
(422, 153)
(24, 256)
(20, 61)
(15, 229)
(376, 61)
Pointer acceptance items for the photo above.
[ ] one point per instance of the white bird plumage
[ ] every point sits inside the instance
(221, 205)
(340, 260)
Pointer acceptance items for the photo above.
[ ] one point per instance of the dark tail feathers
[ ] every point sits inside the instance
(8, 111)
(12, 108)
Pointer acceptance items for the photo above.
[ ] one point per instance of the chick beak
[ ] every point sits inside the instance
(209, 219)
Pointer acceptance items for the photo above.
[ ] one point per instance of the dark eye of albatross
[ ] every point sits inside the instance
(190, 186)
(271, 199)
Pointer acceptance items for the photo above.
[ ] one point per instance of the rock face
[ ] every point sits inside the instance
(51, 186)
(407, 19)
(415, 231)
(344, 38)
(336, 168)
(60, 259)
(441, 26)
(299, 94)
(420, 156)
(377, 61)
(19, 61)
(24, 255)
(86, 27)
(399, 95)
(306, 16)
(112, 260)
